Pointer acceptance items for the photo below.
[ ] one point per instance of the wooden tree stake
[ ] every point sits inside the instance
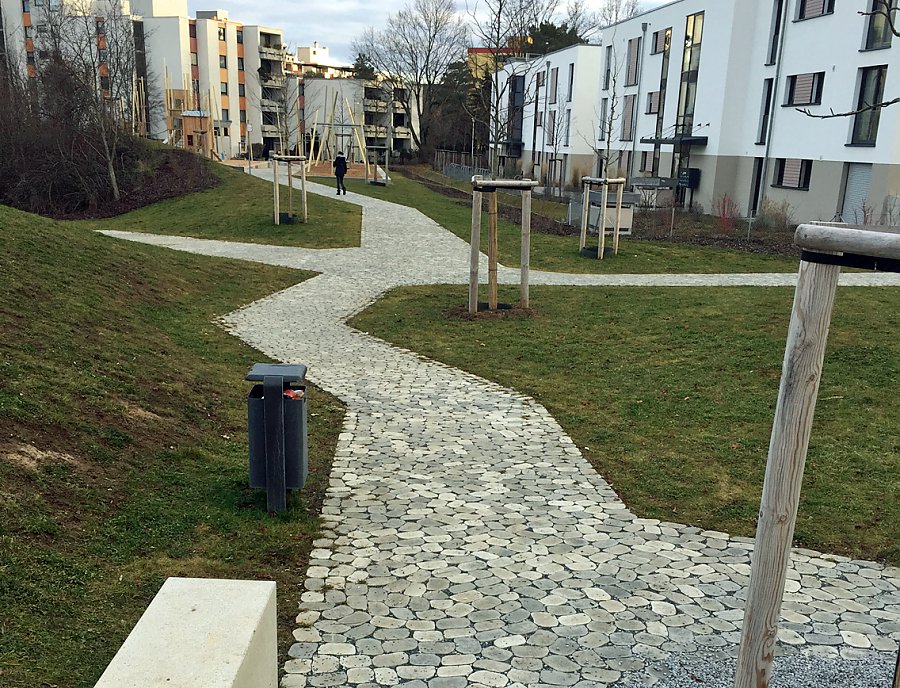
(525, 257)
(277, 199)
(800, 377)
(602, 243)
(474, 243)
(585, 214)
(492, 251)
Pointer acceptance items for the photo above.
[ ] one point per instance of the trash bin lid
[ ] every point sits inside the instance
(291, 372)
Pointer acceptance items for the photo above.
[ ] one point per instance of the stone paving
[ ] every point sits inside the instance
(466, 541)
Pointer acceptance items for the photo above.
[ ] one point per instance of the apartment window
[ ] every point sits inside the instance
(192, 30)
(568, 129)
(604, 114)
(240, 64)
(101, 54)
(607, 79)
(221, 33)
(554, 75)
(101, 27)
(29, 31)
(540, 79)
(653, 103)
(661, 41)
(634, 56)
(225, 117)
(807, 9)
(871, 92)
(240, 35)
(628, 118)
(793, 173)
(104, 83)
(765, 111)
(775, 33)
(26, 8)
(243, 115)
(195, 85)
(223, 62)
(225, 131)
(194, 59)
(551, 127)
(190, 139)
(571, 82)
(646, 161)
(242, 90)
(805, 89)
(879, 32)
(29, 57)
(690, 68)
(223, 88)
(539, 119)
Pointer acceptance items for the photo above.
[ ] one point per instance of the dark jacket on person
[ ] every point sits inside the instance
(340, 166)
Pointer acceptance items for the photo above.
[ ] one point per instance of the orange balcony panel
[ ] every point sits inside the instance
(26, 18)
(225, 102)
(242, 103)
(223, 74)
(103, 69)
(29, 45)
(193, 45)
(195, 72)
(101, 42)
(241, 77)
(240, 49)
(32, 72)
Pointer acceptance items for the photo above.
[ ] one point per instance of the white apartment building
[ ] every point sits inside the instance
(708, 91)
(230, 73)
(316, 59)
(552, 117)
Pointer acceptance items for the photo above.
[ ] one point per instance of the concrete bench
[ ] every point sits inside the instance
(201, 632)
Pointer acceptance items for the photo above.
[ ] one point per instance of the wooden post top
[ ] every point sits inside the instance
(883, 242)
(603, 180)
(289, 158)
(479, 183)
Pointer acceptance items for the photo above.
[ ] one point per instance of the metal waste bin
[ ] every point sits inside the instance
(276, 426)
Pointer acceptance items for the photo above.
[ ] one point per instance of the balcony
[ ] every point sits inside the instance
(269, 130)
(271, 80)
(374, 131)
(267, 105)
(402, 133)
(271, 53)
(371, 105)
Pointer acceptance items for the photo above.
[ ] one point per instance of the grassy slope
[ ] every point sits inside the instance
(240, 209)
(123, 446)
(671, 393)
(560, 254)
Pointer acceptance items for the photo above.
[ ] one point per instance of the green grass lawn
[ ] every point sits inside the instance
(560, 253)
(240, 209)
(123, 456)
(670, 394)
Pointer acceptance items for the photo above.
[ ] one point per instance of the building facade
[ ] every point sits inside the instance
(725, 96)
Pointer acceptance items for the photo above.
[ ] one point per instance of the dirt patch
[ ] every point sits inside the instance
(175, 173)
(32, 459)
(514, 313)
(137, 413)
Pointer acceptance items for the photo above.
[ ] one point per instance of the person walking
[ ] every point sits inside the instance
(340, 169)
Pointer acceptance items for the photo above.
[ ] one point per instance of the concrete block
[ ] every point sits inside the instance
(201, 632)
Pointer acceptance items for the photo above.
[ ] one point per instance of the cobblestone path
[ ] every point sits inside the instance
(466, 541)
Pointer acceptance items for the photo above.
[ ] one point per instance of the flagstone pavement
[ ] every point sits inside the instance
(466, 541)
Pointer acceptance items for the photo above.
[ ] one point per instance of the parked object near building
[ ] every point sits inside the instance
(712, 93)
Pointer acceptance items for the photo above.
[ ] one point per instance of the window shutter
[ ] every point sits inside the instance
(628, 118)
(660, 42)
(803, 88)
(814, 8)
(633, 46)
(653, 105)
(791, 176)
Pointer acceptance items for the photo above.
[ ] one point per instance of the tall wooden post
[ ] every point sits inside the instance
(800, 376)
(303, 189)
(618, 219)
(474, 244)
(290, 192)
(492, 251)
(585, 214)
(525, 257)
(602, 243)
(277, 194)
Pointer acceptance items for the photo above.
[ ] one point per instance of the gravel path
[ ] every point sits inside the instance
(466, 541)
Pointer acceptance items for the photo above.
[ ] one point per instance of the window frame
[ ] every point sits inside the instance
(804, 179)
(886, 34)
(221, 33)
(858, 122)
(223, 88)
(223, 61)
(818, 84)
(827, 8)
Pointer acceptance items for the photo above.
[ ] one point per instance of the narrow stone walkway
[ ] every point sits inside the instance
(466, 541)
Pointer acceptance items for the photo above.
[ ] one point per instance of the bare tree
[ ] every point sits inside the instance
(502, 27)
(413, 54)
(614, 11)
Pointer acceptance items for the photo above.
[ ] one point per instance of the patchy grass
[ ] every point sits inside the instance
(560, 253)
(240, 209)
(123, 455)
(670, 394)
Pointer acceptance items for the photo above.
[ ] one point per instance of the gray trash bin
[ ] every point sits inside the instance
(277, 431)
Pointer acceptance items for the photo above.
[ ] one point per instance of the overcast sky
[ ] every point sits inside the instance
(333, 23)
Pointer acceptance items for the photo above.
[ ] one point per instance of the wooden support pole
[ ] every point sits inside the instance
(492, 251)
(585, 214)
(525, 258)
(474, 244)
(303, 190)
(601, 245)
(276, 192)
(802, 369)
(290, 192)
(618, 219)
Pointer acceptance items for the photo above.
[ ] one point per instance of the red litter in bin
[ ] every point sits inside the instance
(293, 393)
